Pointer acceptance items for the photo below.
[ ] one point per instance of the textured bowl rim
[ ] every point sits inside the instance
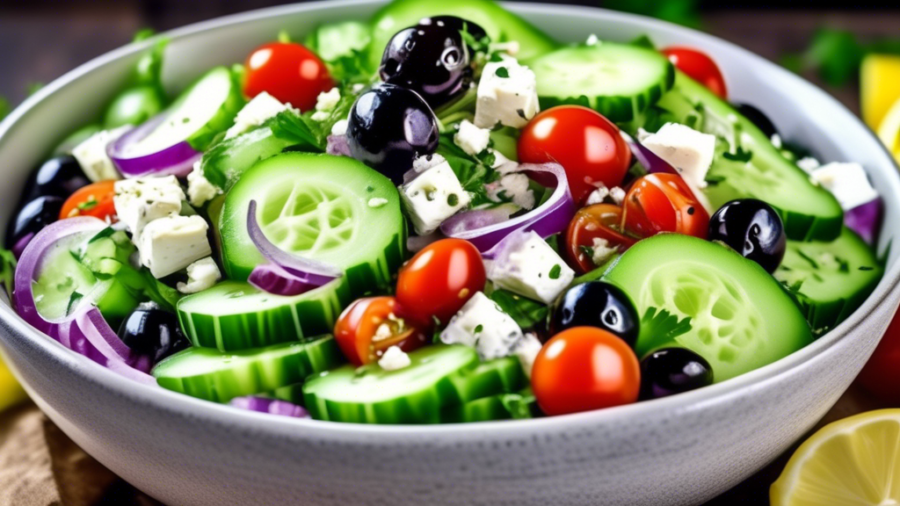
(162, 399)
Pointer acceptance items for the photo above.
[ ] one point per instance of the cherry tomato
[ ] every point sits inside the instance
(663, 203)
(699, 67)
(369, 326)
(289, 72)
(438, 280)
(585, 368)
(92, 200)
(589, 228)
(585, 143)
(881, 375)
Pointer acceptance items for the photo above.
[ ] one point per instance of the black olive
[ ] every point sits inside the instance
(57, 177)
(458, 24)
(31, 218)
(596, 304)
(151, 331)
(672, 371)
(758, 118)
(389, 127)
(752, 228)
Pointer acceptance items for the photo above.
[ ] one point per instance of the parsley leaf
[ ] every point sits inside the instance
(526, 312)
(7, 271)
(663, 326)
(503, 72)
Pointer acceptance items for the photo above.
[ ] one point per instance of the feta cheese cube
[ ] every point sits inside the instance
(471, 139)
(423, 163)
(170, 244)
(255, 113)
(394, 359)
(140, 201)
(482, 325)
(507, 94)
(92, 157)
(432, 197)
(690, 152)
(848, 183)
(200, 190)
(808, 164)
(202, 274)
(328, 100)
(527, 351)
(528, 266)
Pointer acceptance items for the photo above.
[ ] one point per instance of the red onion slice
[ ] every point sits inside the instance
(177, 159)
(273, 279)
(551, 218)
(865, 219)
(337, 145)
(269, 406)
(302, 270)
(648, 159)
(20, 245)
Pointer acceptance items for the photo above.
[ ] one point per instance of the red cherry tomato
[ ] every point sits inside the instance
(289, 72)
(585, 368)
(663, 203)
(369, 326)
(699, 67)
(586, 144)
(92, 200)
(589, 228)
(438, 280)
(881, 375)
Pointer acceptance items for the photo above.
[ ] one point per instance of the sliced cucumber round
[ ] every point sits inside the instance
(203, 111)
(219, 377)
(500, 24)
(617, 80)
(328, 208)
(519, 405)
(234, 315)
(439, 376)
(829, 280)
(707, 298)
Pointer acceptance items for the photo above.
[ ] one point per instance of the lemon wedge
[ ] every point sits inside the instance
(889, 130)
(879, 87)
(852, 462)
(10, 391)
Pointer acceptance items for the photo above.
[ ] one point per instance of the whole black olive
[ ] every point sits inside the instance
(758, 118)
(752, 228)
(57, 177)
(151, 331)
(596, 304)
(672, 371)
(30, 219)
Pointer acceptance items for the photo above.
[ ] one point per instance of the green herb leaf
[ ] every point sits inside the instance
(741, 155)
(103, 234)
(663, 327)
(555, 271)
(73, 302)
(143, 34)
(526, 312)
(7, 271)
(479, 329)
(503, 72)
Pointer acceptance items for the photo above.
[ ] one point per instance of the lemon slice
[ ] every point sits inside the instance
(10, 391)
(853, 462)
(889, 130)
(879, 86)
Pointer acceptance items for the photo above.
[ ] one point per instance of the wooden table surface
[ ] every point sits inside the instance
(40, 46)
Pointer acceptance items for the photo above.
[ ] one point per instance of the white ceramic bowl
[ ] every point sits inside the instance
(679, 450)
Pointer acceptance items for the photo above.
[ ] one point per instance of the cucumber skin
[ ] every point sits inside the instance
(798, 226)
(297, 319)
(256, 374)
(225, 162)
(616, 109)
(204, 137)
(492, 408)
(824, 315)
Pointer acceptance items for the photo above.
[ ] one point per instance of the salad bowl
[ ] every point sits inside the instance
(679, 450)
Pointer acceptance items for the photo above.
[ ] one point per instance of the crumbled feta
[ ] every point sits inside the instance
(423, 163)
(93, 158)
(527, 351)
(377, 202)
(200, 190)
(690, 152)
(471, 139)
(507, 94)
(502, 163)
(328, 100)
(432, 197)
(617, 194)
(528, 266)
(170, 244)
(515, 186)
(847, 182)
(202, 274)
(482, 325)
(394, 359)
(808, 164)
(141, 201)
(340, 128)
(592, 40)
(597, 196)
(255, 113)
(776, 141)
(601, 251)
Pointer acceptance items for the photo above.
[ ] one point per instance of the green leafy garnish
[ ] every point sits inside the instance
(526, 312)
(297, 129)
(88, 204)
(478, 329)
(503, 72)
(555, 271)
(663, 327)
(73, 302)
(7, 271)
(741, 155)
(143, 34)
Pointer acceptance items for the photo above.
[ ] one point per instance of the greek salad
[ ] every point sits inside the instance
(438, 215)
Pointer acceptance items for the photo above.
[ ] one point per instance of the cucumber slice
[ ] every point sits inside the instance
(333, 41)
(224, 164)
(517, 406)
(809, 212)
(439, 376)
(321, 207)
(202, 112)
(740, 317)
(829, 280)
(500, 24)
(234, 315)
(219, 377)
(617, 80)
